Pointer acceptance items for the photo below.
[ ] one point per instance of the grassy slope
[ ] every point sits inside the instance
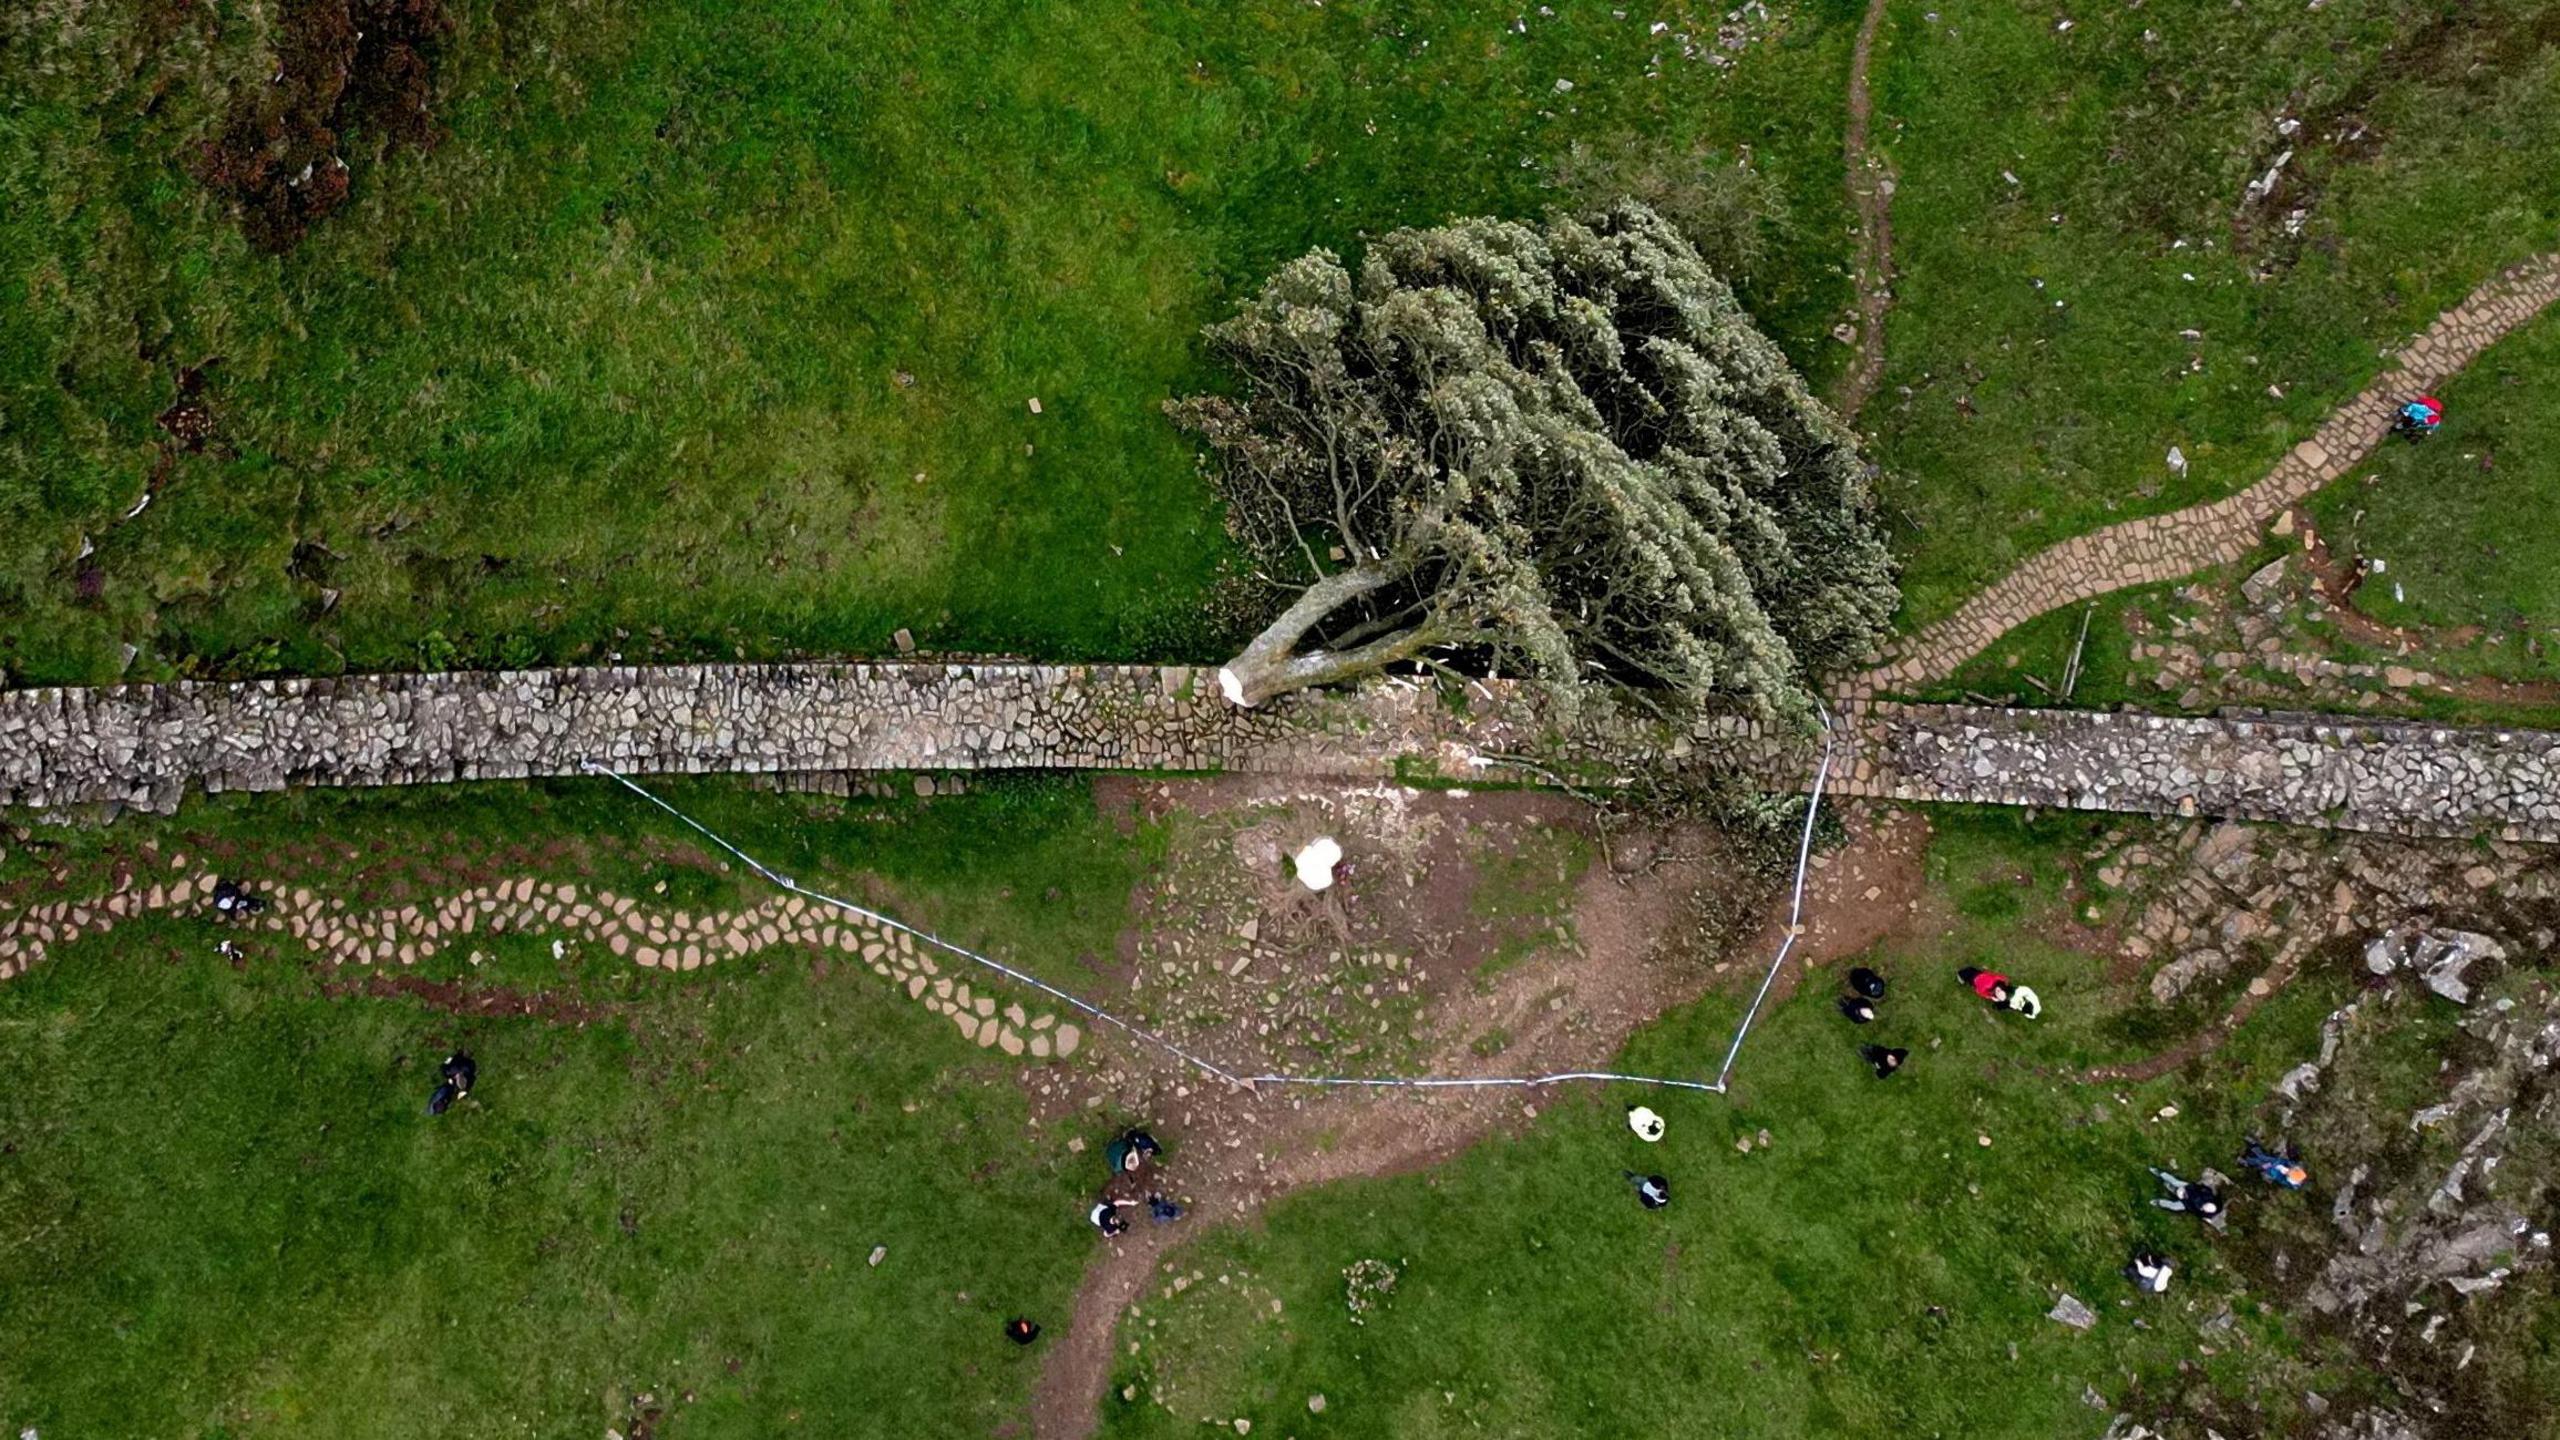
(228, 1215)
(2140, 127)
(2459, 520)
(621, 355)
(1787, 1292)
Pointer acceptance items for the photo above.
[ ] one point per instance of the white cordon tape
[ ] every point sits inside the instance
(1795, 922)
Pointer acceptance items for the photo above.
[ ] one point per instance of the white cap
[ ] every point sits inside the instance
(1646, 1124)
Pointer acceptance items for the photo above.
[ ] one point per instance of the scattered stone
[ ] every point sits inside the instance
(2070, 1311)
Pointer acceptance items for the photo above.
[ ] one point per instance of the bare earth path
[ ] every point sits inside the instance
(1871, 195)
(2164, 547)
(1560, 1010)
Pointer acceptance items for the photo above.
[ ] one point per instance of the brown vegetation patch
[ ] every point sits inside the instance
(477, 1001)
(340, 64)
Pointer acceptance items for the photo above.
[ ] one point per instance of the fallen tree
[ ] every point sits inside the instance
(1558, 451)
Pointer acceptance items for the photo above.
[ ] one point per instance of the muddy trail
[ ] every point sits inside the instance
(1871, 196)
(1632, 946)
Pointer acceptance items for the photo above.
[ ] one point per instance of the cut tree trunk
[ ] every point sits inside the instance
(1271, 666)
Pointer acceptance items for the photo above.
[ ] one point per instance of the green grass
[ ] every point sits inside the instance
(2456, 520)
(614, 369)
(2043, 647)
(226, 1214)
(1875, 1270)
(2048, 373)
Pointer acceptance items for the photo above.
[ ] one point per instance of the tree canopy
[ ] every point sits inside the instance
(1559, 451)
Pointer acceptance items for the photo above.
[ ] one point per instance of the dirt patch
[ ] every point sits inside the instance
(369, 65)
(2336, 578)
(1626, 948)
(473, 1001)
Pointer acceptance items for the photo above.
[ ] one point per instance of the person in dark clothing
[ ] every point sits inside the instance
(1105, 1216)
(1162, 1211)
(1866, 982)
(231, 898)
(2150, 1272)
(1990, 985)
(1021, 1331)
(1652, 1191)
(2187, 1198)
(1886, 1062)
(1859, 1009)
(458, 1074)
(1134, 1150)
(2282, 1169)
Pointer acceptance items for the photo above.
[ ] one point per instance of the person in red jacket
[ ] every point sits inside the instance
(1989, 984)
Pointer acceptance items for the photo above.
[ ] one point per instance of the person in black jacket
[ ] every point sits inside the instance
(2187, 1197)
(459, 1074)
(1887, 1063)
(1867, 983)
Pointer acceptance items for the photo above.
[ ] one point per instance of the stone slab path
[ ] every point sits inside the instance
(653, 937)
(147, 745)
(2163, 547)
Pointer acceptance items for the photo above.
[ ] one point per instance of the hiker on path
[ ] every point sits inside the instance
(230, 897)
(1991, 985)
(458, 1074)
(1866, 983)
(2187, 1198)
(2284, 1170)
(1162, 1211)
(2419, 418)
(1886, 1062)
(1132, 1152)
(2150, 1272)
(1652, 1191)
(1105, 1216)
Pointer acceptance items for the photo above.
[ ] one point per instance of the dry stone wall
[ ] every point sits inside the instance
(146, 746)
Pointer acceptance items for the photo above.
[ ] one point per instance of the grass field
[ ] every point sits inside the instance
(227, 1214)
(2456, 521)
(617, 368)
(1876, 1269)
(2072, 202)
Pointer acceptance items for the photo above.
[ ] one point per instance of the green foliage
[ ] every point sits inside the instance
(710, 324)
(1560, 450)
(1733, 215)
(2458, 519)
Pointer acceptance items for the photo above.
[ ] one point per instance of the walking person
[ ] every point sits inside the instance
(1652, 1191)
(2419, 418)
(2187, 1197)
(1021, 1331)
(1105, 1216)
(1886, 1062)
(1859, 1009)
(1866, 983)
